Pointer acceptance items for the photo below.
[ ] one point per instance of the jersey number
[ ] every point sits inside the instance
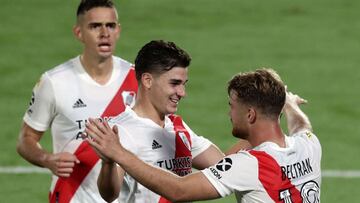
(310, 193)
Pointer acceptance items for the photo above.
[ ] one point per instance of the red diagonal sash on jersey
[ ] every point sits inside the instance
(183, 141)
(65, 188)
(183, 147)
(270, 175)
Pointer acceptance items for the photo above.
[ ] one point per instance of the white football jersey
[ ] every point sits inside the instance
(64, 98)
(157, 146)
(269, 173)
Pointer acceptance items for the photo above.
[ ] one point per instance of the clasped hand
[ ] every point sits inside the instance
(103, 139)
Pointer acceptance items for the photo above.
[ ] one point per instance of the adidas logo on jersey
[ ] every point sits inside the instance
(79, 104)
(156, 145)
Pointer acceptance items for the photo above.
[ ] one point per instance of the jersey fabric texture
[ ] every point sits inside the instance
(157, 146)
(64, 98)
(269, 173)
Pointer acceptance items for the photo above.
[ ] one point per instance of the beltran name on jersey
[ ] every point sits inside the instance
(269, 173)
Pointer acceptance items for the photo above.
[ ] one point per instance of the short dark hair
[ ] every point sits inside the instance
(262, 88)
(159, 56)
(86, 5)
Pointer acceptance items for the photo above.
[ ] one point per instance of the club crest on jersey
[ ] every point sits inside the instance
(310, 192)
(185, 140)
(128, 98)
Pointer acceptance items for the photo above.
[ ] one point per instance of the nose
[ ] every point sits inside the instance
(104, 32)
(181, 91)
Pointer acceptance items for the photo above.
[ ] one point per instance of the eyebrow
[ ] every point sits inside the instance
(178, 81)
(100, 24)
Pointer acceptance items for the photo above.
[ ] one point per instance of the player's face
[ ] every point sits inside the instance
(238, 116)
(98, 29)
(167, 89)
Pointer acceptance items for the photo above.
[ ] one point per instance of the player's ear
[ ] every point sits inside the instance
(118, 30)
(251, 115)
(147, 80)
(77, 32)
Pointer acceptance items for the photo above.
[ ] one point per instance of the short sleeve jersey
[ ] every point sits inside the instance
(154, 145)
(269, 173)
(65, 97)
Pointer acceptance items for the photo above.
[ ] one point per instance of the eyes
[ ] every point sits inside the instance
(98, 26)
(177, 82)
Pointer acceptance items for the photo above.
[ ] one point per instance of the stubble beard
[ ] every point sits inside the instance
(240, 133)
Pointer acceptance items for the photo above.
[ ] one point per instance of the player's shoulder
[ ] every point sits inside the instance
(240, 163)
(57, 73)
(306, 135)
(64, 68)
(123, 119)
(243, 155)
(122, 63)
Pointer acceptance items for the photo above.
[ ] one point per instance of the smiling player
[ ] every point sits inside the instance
(151, 130)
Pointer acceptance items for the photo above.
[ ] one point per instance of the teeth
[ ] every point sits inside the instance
(175, 100)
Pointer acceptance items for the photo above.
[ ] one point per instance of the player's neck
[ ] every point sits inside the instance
(267, 132)
(144, 109)
(99, 70)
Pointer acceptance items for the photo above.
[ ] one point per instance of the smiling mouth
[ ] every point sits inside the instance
(176, 101)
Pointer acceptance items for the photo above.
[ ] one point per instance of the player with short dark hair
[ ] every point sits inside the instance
(159, 56)
(86, 5)
(151, 130)
(279, 168)
(94, 84)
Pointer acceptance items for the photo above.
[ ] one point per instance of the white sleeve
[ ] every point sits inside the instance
(198, 143)
(310, 137)
(312, 141)
(42, 105)
(236, 172)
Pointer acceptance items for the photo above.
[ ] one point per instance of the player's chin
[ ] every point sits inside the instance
(105, 53)
(238, 133)
(172, 109)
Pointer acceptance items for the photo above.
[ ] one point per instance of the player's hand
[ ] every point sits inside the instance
(61, 164)
(293, 99)
(103, 139)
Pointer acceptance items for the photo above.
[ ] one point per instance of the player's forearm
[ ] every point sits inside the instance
(29, 148)
(167, 184)
(109, 182)
(296, 119)
(31, 151)
(240, 145)
(207, 158)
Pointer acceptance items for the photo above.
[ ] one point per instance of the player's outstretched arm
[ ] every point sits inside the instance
(189, 188)
(207, 158)
(29, 148)
(192, 187)
(295, 117)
